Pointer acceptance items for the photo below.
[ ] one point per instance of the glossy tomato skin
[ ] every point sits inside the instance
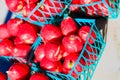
(13, 26)
(26, 34)
(6, 47)
(68, 26)
(83, 34)
(39, 53)
(18, 71)
(50, 32)
(72, 43)
(46, 64)
(39, 76)
(15, 5)
(53, 51)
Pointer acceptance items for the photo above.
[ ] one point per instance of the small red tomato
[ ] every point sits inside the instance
(6, 47)
(39, 76)
(13, 26)
(26, 34)
(18, 71)
(83, 33)
(72, 43)
(15, 5)
(68, 26)
(53, 51)
(50, 32)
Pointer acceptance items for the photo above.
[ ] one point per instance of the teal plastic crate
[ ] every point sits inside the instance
(88, 70)
(109, 8)
(56, 8)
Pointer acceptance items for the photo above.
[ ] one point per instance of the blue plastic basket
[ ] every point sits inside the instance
(58, 11)
(105, 9)
(88, 70)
